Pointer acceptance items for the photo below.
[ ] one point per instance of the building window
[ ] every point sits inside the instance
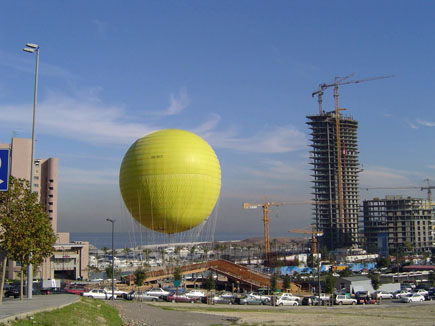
(50, 203)
(36, 185)
(50, 211)
(51, 188)
(51, 196)
(51, 180)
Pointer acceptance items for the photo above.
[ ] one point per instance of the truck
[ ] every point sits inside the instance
(51, 283)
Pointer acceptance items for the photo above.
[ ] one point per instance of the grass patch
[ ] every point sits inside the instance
(85, 312)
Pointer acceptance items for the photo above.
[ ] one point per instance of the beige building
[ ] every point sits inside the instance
(70, 259)
(401, 221)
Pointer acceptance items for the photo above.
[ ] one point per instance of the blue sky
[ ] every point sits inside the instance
(238, 73)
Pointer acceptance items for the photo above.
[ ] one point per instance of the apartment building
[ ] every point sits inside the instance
(45, 183)
(401, 221)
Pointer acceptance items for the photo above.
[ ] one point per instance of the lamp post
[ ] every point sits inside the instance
(113, 255)
(31, 48)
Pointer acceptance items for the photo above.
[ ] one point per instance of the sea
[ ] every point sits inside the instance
(135, 239)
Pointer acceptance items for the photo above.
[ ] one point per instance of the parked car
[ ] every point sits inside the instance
(12, 292)
(430, 295)
(286, 301)
(249, 299)
(227, 294)
(422, 292)
(181, 298)
(364, 297)
(195, 294)
(260, 296)
(141, 296)
(98, 294)
(52, 291)
(310, 301)
(414, 297)
(78, 290)
(116, 291)
(382, 295)
(290, 296)
(344, 299)
(400, 293)
(158, 292)
(218, 299)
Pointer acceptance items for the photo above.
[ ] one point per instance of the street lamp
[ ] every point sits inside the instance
(113, 255)
(31, 48)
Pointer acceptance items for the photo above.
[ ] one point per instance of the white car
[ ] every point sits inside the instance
(158, 292)
(116, 291)
(290, 297)
(344, 299)
(382, 295)
(259, 296)
(286, 301)
(422, 292)
(415, 297)
(401, 293)
(195, 294)
(98, 294)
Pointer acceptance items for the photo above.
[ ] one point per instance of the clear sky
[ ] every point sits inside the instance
(238, 73)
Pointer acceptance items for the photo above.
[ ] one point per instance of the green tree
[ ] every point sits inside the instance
(146, 251)
(105, 251)
(346, 272)
(383, 262)
(177, 274)
(108, 271)
(274, 282)
(375, 280)
(27, 236)
(330, 283)
(286, 282)
(140, 276)
(210, 283)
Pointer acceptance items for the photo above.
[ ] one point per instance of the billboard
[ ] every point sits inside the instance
(4, 169)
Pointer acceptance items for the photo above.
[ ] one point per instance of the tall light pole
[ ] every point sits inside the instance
(31, 48)
(113, 256)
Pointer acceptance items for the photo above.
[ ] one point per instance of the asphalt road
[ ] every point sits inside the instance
(12, 308)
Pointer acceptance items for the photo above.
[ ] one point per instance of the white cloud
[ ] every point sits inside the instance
(278, 170)
(177, 103)
(274, 140)
(426, 123)
(386, 177)
(431, 166)
(86, 118)
(83, 119)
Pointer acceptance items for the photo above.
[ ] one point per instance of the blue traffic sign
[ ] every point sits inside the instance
(4, 169)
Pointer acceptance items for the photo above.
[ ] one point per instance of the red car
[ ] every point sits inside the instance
(180, 298)
(75, 290)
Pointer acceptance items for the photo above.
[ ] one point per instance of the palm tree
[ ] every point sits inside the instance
(146, 251)
(105, 251)
(127, 252)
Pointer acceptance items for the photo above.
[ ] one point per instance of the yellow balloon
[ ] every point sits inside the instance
(170, 180)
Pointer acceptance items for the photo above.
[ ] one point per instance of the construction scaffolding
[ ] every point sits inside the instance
(334, 157)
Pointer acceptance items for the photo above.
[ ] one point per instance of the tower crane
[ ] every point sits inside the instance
(265, 206)
(422, 188)
(340, 81)
(314, 235)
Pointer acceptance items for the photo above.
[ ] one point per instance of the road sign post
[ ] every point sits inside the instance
(4, 169)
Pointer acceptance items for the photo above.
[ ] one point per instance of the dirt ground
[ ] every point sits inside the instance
(135, 313)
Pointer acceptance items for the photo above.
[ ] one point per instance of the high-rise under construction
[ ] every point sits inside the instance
(334, 157)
